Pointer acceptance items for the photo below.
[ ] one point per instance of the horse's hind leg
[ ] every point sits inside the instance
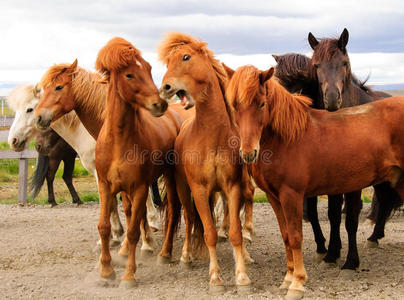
(248, 229)
(173, 218)
(224, 227)
(184, 195)
(353, 204)
(147, 240)
(50, 176)
(68, 177)
(334, 215)
(382, 207)
(116, 225)
(312, 216)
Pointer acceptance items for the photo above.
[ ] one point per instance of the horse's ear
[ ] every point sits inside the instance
(72, 68)
(36, 91)
(343, 40)
(276, 57)
(312, 41)
(228, 70)
(266, 75)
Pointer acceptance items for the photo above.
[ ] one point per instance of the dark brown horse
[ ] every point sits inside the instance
(312, 152)
(298, 74)
(52, 150)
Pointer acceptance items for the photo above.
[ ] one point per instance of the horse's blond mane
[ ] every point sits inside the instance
(288, 115)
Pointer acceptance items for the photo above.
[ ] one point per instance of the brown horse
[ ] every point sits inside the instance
(206, 146)
(127, 159)
(296, 151)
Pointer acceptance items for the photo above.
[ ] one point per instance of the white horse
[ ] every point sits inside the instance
(23, 100)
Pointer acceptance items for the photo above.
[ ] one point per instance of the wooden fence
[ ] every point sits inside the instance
(22, 170)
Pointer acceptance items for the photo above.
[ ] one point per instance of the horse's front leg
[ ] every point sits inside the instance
(234, 202)
(104, 229)
(292, 206)
(133, 233)
(201, 199)
(334, 215)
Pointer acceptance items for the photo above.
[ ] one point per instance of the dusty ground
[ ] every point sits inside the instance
(48, 254)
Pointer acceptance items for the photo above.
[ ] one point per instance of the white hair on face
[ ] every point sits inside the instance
(138, 63)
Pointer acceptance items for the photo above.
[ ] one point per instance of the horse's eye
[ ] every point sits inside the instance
(345, 63)
(30, 110)
(316, 66)
(58, 88)
(129, 76)
(186, 57)
(262, 105)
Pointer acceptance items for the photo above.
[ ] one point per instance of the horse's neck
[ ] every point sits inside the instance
(353, 95)
(89, 117)
(211, 112)
(120, 120)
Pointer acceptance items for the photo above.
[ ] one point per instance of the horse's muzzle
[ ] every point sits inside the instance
(250, 156)
(44, 119)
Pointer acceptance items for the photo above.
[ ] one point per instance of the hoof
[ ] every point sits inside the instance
(53, 204)
(110, 275)
(127, 284)
(318, 257)
(215, 290)
(78, 202)
(347, 274)
(371, 244)
(119, 260)
(163, 260)
(244, 289)
(285, 285)
(146, 253)
(294, 295)
(186, 264)
(248, 260)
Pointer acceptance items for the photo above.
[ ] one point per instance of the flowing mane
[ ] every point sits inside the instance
(21, 95)
(115, 55)
(175, 41)
(287, 112)
(89, 93)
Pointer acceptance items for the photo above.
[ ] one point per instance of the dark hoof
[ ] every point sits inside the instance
(215, 290)
(371, 244)
(163, 261)
(350, 265)
(331, 257)
(78, 202)
(53, 204)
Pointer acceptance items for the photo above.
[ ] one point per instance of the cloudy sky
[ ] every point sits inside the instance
(37, 34)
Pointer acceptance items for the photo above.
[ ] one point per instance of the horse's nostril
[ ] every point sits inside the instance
(156, 105)
(167, 87)
(14, 141)
(38, 120)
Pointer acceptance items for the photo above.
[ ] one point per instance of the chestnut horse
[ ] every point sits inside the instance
(127, 158)
(297, 74)
(295, 151)
(207, 147)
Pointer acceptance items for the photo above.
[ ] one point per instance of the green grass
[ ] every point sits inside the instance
(260, 198)
(43, 200)
(6, 146)
(366, 199)
(7, 111)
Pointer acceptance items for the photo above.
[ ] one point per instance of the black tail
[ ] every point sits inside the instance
(37, 180)
(387, 200)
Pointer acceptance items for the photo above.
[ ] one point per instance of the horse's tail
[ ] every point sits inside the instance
(390, 202)
(199, 248)
(37, 180)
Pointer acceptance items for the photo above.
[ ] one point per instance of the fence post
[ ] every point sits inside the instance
(22, 181)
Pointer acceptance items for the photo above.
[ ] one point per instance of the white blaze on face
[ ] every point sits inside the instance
(138, 63)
